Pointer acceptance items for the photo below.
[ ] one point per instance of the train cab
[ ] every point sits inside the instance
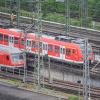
(81, 43)
(17, 59)
(11, 57)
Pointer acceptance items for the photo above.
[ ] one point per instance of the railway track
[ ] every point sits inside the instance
(55, 84)
(76, 69)
(55, 29)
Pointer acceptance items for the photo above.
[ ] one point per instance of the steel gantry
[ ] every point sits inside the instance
(84, 13)
(67, 15)
(38, 31)
(86, 72)
(14, 7)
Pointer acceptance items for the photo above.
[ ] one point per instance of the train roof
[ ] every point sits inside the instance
(65, 40)
(53, 41)
(70, 39)
(61, 43)
(10, 49)
(43, 35)
(3, 25)
(16, 30)
(12, 32)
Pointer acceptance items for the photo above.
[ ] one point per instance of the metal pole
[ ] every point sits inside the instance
(79, 92)
(85, 73)
(18, 13)
(49, 70)
(84, 13)
(79, 82)
(39, 29)
(24, 78)
(86, 83)
(89, 81)
(67, 17)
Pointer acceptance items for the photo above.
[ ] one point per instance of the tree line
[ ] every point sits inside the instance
(51, 6)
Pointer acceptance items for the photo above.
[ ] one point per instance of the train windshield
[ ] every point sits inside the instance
(83, 49)
(17, 57)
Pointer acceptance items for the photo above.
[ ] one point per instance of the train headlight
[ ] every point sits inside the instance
(81, 59)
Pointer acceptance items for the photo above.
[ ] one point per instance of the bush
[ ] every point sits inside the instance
(73, 98)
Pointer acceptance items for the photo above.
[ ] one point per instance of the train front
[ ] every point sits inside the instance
(90, 52)
(18, 60)
(81, 43)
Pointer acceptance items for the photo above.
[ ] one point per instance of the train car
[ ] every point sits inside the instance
(64, 51)
(68, 50)
(12, 38)
(81, 43)
(11, 57)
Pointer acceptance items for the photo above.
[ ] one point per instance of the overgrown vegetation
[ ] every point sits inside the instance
(73, 98)
(54, 11)
(58, 7)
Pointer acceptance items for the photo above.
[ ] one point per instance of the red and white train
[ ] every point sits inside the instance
(11, 57)
(72, 52)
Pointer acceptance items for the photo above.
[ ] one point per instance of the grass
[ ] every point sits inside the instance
(56, 17)
(74, 98)
(33, 87)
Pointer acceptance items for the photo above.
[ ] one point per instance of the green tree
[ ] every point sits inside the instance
(97, 11)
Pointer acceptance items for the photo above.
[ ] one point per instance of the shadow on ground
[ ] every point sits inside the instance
(9, 97)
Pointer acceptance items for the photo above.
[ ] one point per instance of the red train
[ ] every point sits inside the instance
(11, 57)
(65, 51)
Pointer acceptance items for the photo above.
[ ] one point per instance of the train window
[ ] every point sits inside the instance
(56, 49)
(73, 51)
(28, 43)
(33, 44)
(11, 39)
(50, 48)
(41, 45)
(1, 36)
(63, 51)
(68, 52)
(16, 40)
(45, 46)
(21, 57)
(7, 57)
(22, 41)
(6, 38)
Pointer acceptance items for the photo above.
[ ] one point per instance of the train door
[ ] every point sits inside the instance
(74, 54)
(6, 59)
(62, 52)
(45, 48)
(11, 41)
(28, 45)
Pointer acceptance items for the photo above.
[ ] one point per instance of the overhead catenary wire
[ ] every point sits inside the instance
(67, 17)
(38, 33)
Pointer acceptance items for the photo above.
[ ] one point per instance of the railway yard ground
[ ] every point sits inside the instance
(11, 92)
(52, 86)
(17, 90)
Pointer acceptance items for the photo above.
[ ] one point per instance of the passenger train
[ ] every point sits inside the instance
(70, 51)
(11, 57)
